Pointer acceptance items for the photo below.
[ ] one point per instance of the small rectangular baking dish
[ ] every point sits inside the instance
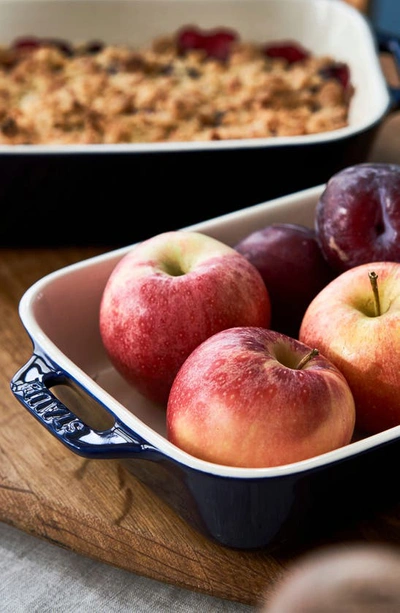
(70, 386)
(53, 195)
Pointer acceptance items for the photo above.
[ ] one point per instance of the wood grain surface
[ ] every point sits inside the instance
(97, 509)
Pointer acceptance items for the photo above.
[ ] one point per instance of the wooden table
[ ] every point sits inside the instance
(94, 507)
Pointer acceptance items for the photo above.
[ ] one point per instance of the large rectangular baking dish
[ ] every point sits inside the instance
(52, 195)
(70, 386)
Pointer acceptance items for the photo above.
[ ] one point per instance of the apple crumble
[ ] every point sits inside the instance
(191, 86)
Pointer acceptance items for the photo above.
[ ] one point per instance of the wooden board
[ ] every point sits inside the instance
(94, 507)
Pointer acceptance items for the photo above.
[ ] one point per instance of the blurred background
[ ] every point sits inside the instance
(385, 14)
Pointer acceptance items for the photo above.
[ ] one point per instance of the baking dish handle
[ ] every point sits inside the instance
(31, 386)
(388, 43)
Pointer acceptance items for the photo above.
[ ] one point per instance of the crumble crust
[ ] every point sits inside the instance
(119, 94)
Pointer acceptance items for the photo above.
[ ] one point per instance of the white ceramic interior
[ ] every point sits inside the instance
(330, 27)
(60, 313)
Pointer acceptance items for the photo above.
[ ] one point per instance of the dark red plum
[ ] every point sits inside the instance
(358, 216)
(293, 268)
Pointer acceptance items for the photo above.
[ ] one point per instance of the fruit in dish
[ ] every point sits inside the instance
(355, 322)
(193, 85)
(166, 296)
(253, 397)
(168, 301)
(293, 267)
(358, 216)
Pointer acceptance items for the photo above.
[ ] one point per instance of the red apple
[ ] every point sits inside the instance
(253, 397)
(358, 216)
(294, 270)
(166, 296)
(362, 338)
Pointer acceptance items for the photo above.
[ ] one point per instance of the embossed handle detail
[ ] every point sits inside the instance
(31, 386)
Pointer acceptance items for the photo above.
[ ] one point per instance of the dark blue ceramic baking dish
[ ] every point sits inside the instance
(53, 195)
(70, 386)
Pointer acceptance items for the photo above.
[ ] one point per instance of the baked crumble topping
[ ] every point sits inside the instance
(191, 86)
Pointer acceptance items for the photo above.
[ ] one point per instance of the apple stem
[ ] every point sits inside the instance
(307, 358)
(373, 277)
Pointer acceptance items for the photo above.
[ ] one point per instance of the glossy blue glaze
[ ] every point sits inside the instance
(216, 182)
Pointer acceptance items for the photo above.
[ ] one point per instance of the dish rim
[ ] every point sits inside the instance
(44, 345)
